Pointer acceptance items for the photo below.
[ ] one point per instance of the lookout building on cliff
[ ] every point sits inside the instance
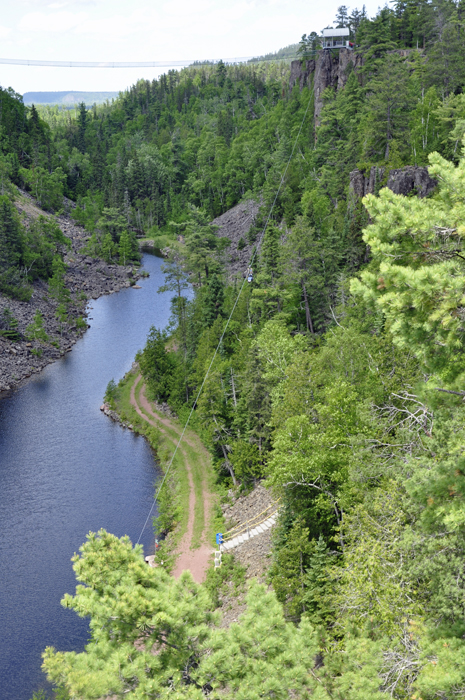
(336, 38)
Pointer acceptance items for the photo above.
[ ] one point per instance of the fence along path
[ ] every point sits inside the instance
(250, 528)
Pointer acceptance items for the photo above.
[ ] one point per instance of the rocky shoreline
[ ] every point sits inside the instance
(86, 279)
(114, 416)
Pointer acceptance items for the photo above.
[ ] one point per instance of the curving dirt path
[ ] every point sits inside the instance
(195, 560)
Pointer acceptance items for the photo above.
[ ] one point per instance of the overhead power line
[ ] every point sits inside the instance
(225, 328)
(133, 64)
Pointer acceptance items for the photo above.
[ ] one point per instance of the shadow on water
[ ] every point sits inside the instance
(66, 469)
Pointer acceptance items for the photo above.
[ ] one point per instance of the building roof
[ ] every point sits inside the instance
(342, 31)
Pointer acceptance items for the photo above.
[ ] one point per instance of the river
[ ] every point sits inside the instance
(66, 469)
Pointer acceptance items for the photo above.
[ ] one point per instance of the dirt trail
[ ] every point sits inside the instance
(195, 560)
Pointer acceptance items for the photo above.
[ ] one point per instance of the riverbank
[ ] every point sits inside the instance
(86, 279)
(189, 515)
(66, 470)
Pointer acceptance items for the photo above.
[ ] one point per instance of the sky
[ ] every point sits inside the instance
(145, 30)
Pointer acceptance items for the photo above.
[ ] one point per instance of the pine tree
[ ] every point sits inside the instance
(311, 262)
(212, 301)
(154, 636)
(417, 276)
(342, 16)
(56, 284)
(288, 570)
(388, 107)
(108, 248)
(254, 406)
(269, 253)
(221, 73)
(124, 248)
(316, 594)
(157, 364)
(11, 244)
(82, 125)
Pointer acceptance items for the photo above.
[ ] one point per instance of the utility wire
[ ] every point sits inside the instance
(254, 254)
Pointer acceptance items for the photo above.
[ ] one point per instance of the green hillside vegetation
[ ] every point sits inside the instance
(286, 54)
(68, 99)
(27, 253)
(339, 379)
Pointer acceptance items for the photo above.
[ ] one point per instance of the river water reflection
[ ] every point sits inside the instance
(66, 469)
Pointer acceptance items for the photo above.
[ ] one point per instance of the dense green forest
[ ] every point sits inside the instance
(27, 252)
(339, 379)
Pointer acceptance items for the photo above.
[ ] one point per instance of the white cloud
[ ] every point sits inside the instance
(51, 22)
(4, 31)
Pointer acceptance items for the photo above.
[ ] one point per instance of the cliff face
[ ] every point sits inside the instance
(400, 181)
(411, 178)
(330, 69)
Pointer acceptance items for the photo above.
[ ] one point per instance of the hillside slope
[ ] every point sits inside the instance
(85, 277)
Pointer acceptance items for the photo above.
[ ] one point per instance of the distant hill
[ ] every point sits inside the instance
(287, 53)
(70, 98)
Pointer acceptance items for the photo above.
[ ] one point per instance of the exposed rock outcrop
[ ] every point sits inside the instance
(108, 411)
(330, 69)
(411, 179)
(405, 181)
(361, 184)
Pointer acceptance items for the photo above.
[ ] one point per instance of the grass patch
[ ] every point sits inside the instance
(173, 503)
(174, 512)
(168, 440)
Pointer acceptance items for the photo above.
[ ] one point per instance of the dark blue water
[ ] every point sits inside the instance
(66, 469)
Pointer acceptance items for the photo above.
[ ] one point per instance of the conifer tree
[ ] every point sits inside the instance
(124, 248)
(154, 636)
(82, 124)
(176, 280)
(56, 284)
(269, 254)
(388, 107)
(10, 235)
(288, 570)
(157, 364)
(342, 16)
(417, 275)
(212, 301)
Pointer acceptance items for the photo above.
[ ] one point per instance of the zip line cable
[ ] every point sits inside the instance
(254, 254)
(136, 64)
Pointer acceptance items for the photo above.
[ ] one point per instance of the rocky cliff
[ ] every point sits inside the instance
(329, 69)
(407, 180)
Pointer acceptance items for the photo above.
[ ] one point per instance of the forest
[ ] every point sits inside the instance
(338, 382)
